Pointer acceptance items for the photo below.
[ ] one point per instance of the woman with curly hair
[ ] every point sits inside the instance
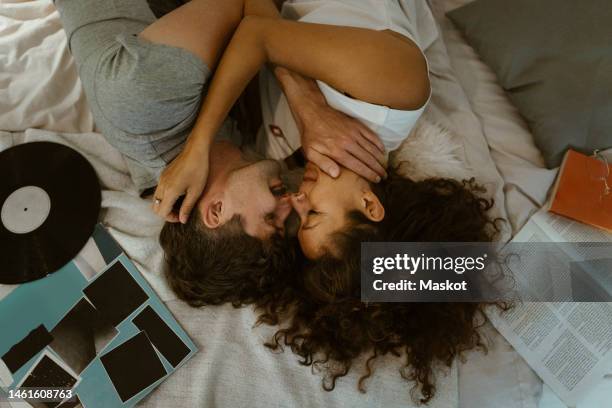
(317, 299)
(330, 323)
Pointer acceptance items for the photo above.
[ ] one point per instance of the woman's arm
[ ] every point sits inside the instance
(372, 66)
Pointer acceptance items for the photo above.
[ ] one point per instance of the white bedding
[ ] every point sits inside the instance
(50, 95)
(526, 179)
(504, 374)
(526, 186)
(233, 369)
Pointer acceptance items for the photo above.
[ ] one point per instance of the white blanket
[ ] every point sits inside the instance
(232, 369)
(49, 95)
(526, 187)
(39, 88)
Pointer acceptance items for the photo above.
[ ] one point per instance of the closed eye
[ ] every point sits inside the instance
(269, 217)
(279, 190)
(312, 214)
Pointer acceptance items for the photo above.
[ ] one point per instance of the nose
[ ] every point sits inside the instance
(311, 172)
(301, 205)
(283, 209)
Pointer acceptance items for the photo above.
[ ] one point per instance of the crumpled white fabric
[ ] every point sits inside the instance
(233, 368)
(50, 96)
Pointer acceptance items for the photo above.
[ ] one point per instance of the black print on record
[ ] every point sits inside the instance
(133, 366)
(27, 348)
(115, 294)
(48, 374)
(162, 336)
(73, 336)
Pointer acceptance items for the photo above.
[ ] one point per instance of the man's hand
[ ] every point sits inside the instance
(186, 175)
(329, 137)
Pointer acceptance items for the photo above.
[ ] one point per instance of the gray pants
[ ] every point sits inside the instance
(144, 97)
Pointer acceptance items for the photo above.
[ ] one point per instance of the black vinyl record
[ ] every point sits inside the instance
(49, 205)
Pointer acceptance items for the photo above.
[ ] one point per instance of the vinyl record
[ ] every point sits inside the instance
(49, 206)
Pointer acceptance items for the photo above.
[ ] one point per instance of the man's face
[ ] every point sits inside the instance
(256, 193)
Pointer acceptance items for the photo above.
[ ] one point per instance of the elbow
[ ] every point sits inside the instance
(416, 94)
(254, 30)
(410, 94)
(422, 93)
(414, 87)
(411, 85)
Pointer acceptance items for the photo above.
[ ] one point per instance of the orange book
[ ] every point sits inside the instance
(580, 190)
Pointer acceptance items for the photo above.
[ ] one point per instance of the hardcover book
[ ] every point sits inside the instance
(582, 190)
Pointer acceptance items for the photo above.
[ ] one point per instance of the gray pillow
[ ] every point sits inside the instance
(554, 59)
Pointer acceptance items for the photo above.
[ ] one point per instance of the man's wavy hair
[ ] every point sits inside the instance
(225, 265)
(330, 327)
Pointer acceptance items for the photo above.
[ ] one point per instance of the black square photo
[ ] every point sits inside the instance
(115, 294)
(133, 366)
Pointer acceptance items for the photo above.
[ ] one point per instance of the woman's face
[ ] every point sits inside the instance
(323, 204)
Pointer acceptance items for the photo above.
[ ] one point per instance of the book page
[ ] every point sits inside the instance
(563, 229)
(568, 344)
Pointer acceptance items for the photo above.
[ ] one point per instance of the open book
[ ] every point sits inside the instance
(568, 344)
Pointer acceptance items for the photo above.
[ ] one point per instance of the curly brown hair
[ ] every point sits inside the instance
(326, 324)
(331, 327)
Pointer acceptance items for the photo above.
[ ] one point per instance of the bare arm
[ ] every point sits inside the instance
(372, 66)
(328, 137)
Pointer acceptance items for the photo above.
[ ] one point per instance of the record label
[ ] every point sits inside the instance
(25, 209)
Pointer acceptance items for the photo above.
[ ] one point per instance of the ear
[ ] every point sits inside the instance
(372, 207)
(213, 214)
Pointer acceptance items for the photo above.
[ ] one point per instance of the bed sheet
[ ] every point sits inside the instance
(233, 367)
(526, 179)
(527, 184)
(50, 96)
